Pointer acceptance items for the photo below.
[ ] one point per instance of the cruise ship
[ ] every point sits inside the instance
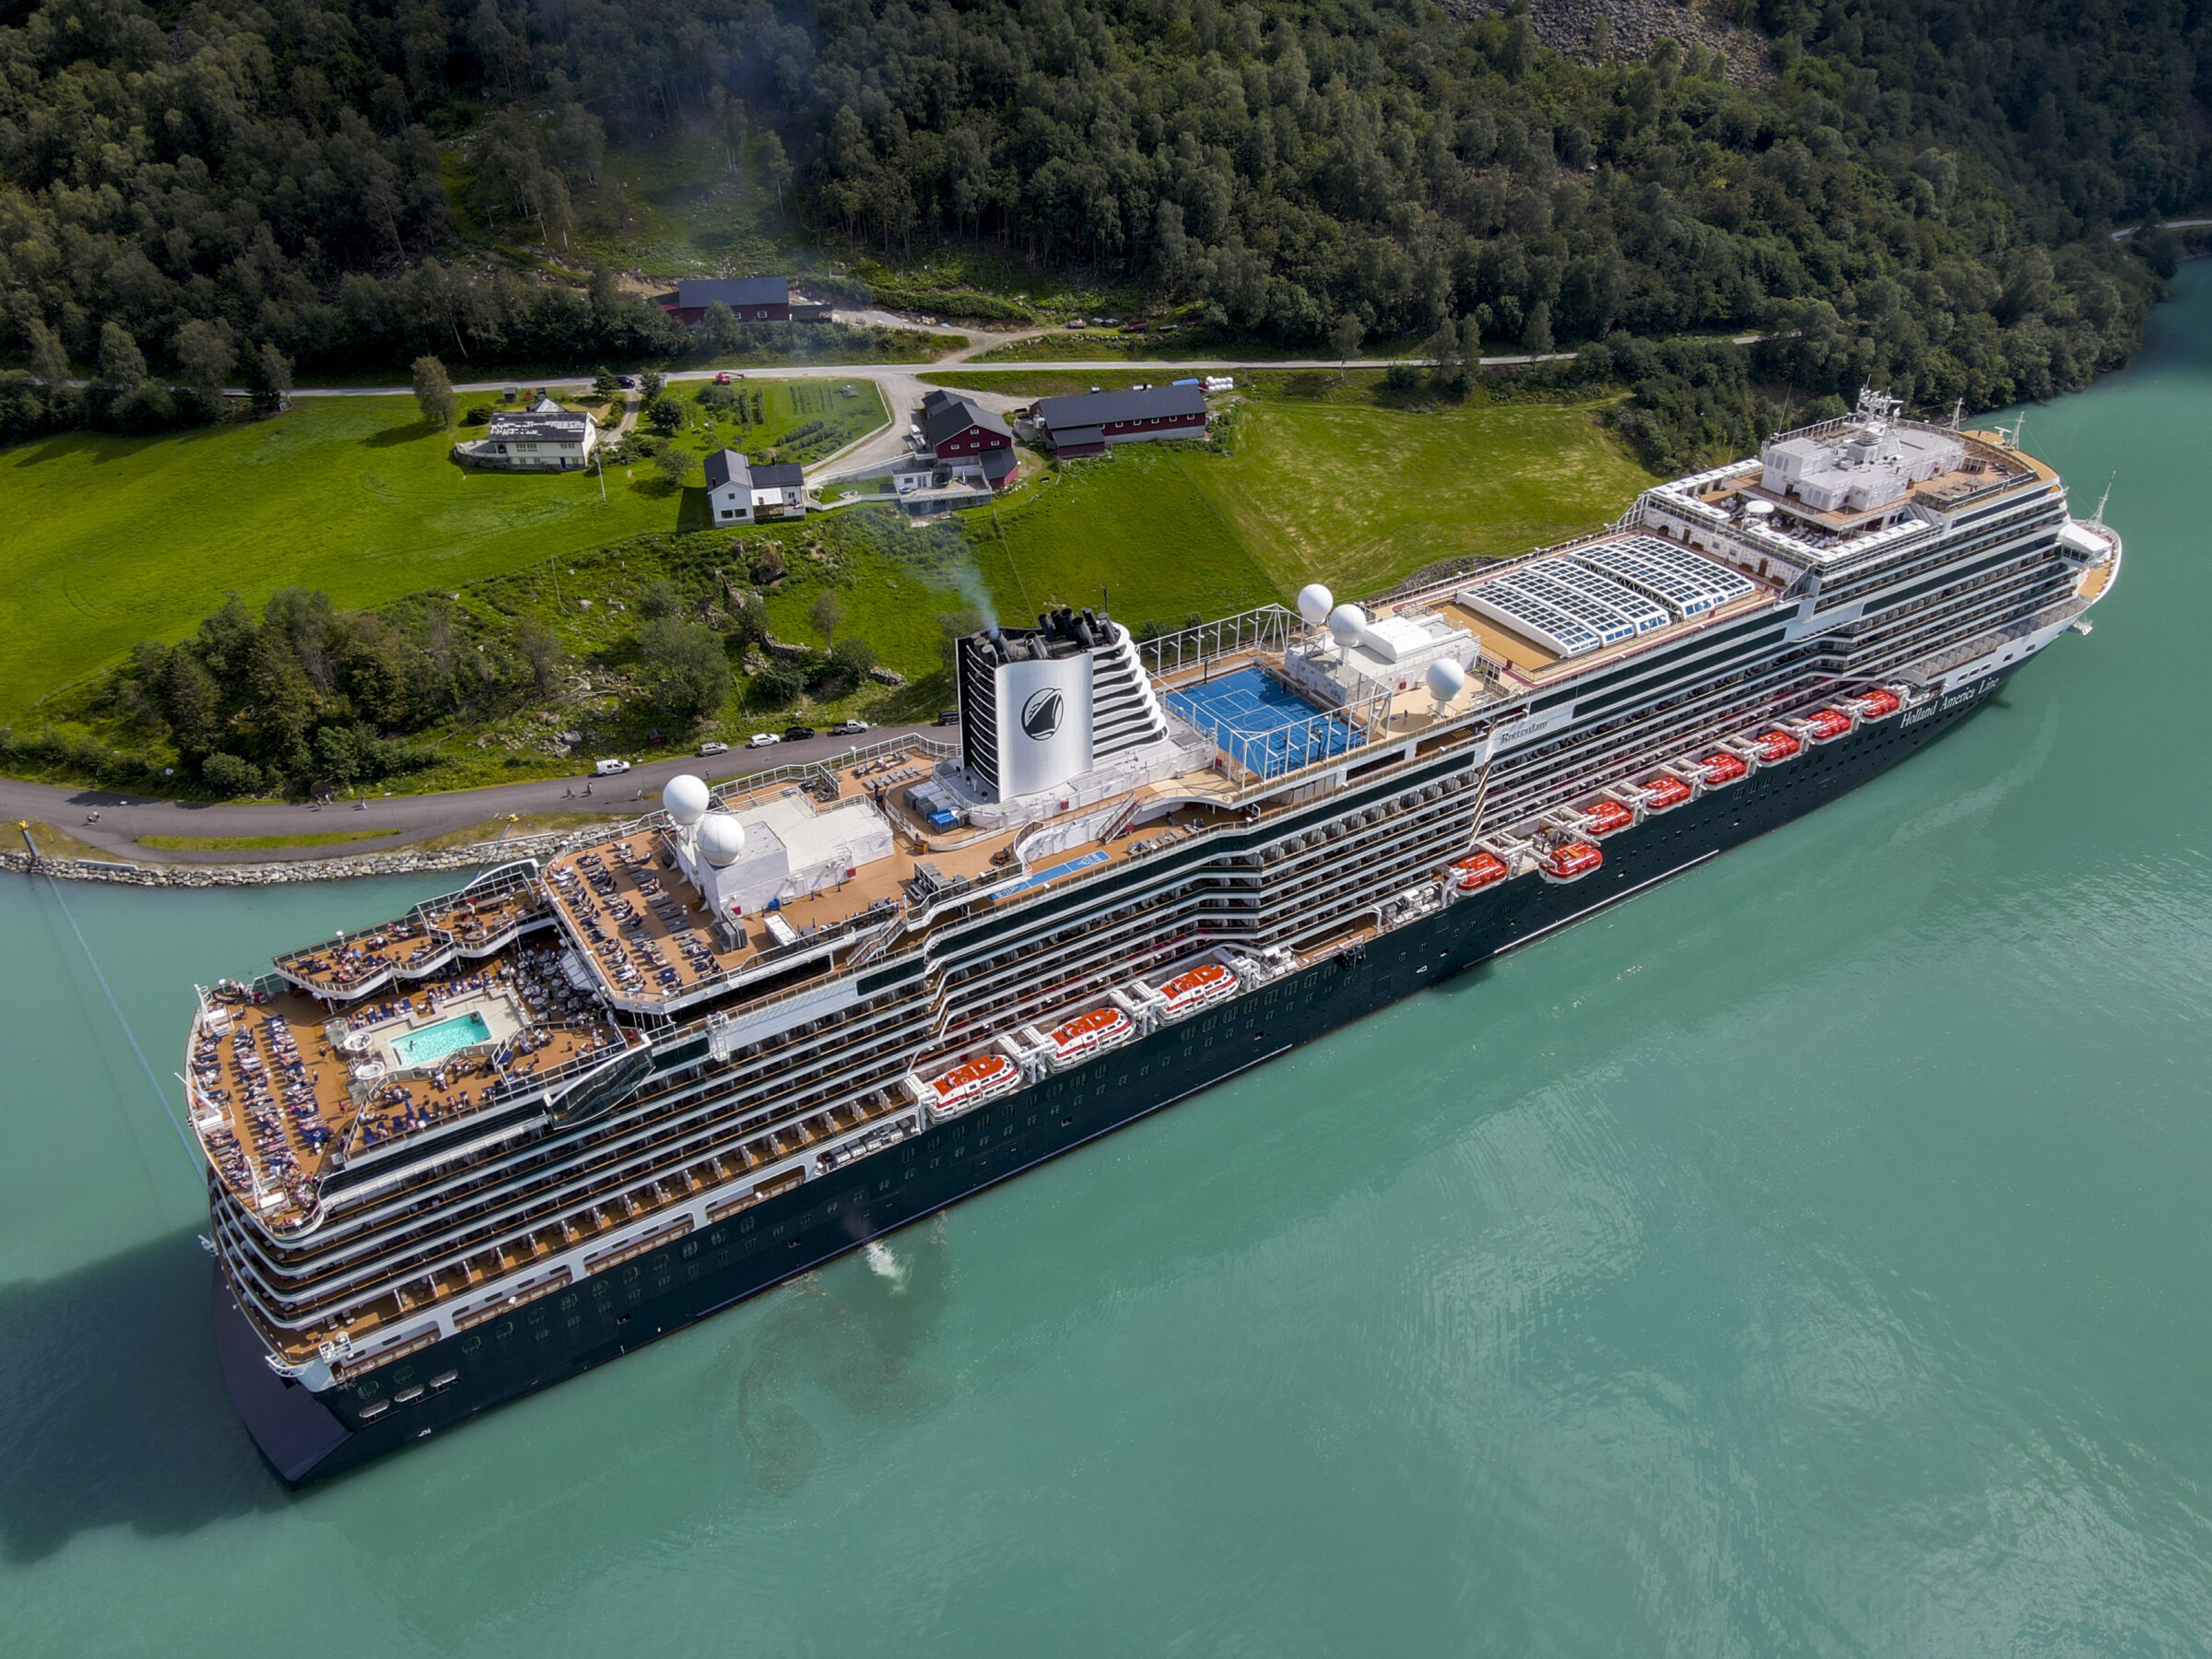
(576, 1105)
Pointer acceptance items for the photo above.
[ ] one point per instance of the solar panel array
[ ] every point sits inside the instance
(1584, 601)
(1687, 583)
(1565, 607)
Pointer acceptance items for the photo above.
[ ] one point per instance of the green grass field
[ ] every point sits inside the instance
(1323, 483)
(105, 541)
(802, 420)
(1142, 527)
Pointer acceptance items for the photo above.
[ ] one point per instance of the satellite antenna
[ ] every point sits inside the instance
(1446, 679)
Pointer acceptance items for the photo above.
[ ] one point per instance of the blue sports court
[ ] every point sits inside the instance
(1264, 727)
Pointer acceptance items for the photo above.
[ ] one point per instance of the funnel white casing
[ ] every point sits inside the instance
(685, 798)
(721, 839)
(1314, 603)
(1348, 624)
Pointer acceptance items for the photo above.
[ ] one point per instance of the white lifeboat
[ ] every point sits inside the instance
(1207, 983)
(969, 1085)
(1088, 1033)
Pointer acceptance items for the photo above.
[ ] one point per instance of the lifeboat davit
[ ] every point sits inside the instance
(1479, 871)
(1825, 725)
(1570, 861)
(1721, 767)
(1878, 704)
(977, 1080)
(1202, 984)
(1665, 793)
(1776, 745)
(1088, 1033)
(1607, 818)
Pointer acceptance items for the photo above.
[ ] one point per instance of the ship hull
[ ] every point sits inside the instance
(307, 1436)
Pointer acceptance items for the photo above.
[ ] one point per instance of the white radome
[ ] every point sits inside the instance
(721, 839)
(685, 798)
(1447, 679)
(1348, 624)
(1314, 603)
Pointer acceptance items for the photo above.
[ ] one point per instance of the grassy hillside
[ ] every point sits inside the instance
(1321, 482)
(107, 540)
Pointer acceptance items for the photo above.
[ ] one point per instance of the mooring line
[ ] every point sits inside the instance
(93, 962)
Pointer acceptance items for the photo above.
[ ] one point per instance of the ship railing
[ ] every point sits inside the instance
(798, 772)
(1269, 627)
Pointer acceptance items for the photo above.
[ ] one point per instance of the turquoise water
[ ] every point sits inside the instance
(1808, 1256)
(436, 1041)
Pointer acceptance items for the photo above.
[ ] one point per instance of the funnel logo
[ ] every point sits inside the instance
(1041, 715)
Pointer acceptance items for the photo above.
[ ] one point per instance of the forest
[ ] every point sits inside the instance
(1921, 194)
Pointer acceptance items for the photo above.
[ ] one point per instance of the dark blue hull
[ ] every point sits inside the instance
(306, 1436)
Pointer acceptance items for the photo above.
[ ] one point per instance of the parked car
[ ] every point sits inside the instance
(762, 740)
(848, 728)
(630, 382)
(1078, 322)
(797, 733)
(714, 748)
(947, 717)
(609, 769)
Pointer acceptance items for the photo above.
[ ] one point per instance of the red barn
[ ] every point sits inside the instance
(1087, 424)
(953, 426)
(750, 299)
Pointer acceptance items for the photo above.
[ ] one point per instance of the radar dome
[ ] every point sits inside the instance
(1446, 679)
(1314, 603)
(721, 839)
(685, 798)
(1347, 623)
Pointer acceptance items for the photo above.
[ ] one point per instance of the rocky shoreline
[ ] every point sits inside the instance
(401, 863)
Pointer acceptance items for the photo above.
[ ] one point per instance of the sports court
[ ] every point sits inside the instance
(1262, 727)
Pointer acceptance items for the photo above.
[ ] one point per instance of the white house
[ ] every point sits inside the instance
(739, 493)
(544, 437)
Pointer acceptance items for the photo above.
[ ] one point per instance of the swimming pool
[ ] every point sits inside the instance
(435, 1042)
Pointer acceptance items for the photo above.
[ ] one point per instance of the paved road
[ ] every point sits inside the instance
(2128, 234)
(410, 818)
(909, 371)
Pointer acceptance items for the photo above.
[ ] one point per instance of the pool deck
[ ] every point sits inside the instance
(278, 1106)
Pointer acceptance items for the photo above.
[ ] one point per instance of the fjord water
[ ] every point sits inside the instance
(1809, 1255)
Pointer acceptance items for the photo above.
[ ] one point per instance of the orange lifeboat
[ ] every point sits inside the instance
(977, 1080)
(1664, 793)
(1570, 861)
(1825, 725)
(1878, 704)
(1776, 745)
(1087, 1033)
(1606, 818)
(1479, 871)
(1721, 767)
(1202, 984)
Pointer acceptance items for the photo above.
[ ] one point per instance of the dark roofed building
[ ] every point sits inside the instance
(546, 437)
(750, 299)
(739, 492)
(1077, 440)
(1087, 423)
(953, 424)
